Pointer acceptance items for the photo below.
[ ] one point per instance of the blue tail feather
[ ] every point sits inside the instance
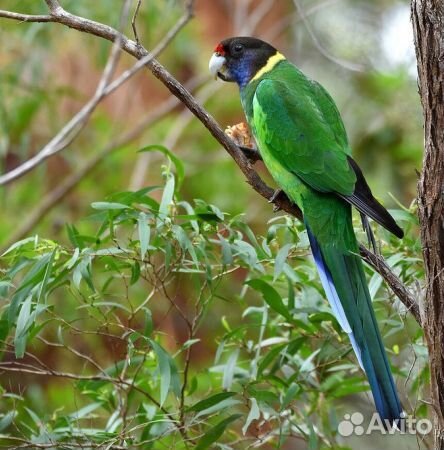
(328, 285)
(360, 325)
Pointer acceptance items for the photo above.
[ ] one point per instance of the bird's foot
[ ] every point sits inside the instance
(251, 153)
(272, 199)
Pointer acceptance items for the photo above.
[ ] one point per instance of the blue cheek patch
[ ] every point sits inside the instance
(241, 71)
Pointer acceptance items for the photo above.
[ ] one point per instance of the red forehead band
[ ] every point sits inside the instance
(220, 49)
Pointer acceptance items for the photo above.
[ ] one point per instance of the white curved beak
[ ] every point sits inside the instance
(217, 64)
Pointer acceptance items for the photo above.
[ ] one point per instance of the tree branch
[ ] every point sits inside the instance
(25, 17)
(282, 202)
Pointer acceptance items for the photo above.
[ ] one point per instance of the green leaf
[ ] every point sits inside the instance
(36, 273)
(280, 260)
(7, 419)
(74, 236)
(213, 434)
(135, 272)
(4, 329)
(144, 234)
(85, 411)
(108, 205)
(189, 209)
(22, 327)
(227, 255)
(210, 401)
(248, 254)
(180, 170)
(185, 243)
(289, 396)
(189, 343)
(307, 365)
(148, 322)
(19, 244)
(72, 261)
(110, 251)
(254, 414)
(224, 405)
(271, 297)
(229, 370)
(269, 358)
(167, 197)
(4, 288)
(401, 215)
(350, 386)
(313, 441)
(164, 367)
(44, 282)
(291, 295)
(83, 270)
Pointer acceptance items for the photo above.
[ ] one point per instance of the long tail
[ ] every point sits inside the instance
(342, 276)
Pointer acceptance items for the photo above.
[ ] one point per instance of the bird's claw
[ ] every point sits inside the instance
(252, 154)
(275, 195)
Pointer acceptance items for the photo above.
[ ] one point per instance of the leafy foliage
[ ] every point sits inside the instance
(124, 313)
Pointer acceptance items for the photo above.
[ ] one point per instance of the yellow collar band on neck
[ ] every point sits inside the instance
(272, 61)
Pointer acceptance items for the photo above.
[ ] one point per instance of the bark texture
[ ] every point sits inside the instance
(428, 25)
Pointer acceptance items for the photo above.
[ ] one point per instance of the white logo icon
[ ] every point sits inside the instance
(354, 424)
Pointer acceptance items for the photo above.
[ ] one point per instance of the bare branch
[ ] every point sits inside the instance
(25, 17)
(254, 18)
(346, 64)
(133, 21)
(53, 5)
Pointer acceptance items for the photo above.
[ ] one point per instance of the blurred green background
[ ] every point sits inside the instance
(361, 51)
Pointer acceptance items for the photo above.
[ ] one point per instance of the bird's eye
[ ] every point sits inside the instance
(238, 48)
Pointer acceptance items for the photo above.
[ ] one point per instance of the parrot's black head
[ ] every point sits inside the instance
(239, 59)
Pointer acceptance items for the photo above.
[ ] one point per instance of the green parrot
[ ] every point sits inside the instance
(303, 143)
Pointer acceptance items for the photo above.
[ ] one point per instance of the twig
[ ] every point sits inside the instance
(346, 64)
(25, 17)
(133, 22)
(254, 18)
(178, 90)
(60, 445)
(293, 19)
(53, 5)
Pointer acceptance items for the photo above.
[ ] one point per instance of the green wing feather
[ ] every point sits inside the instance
(299, 123)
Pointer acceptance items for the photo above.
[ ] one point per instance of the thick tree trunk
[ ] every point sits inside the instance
(428, 25)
